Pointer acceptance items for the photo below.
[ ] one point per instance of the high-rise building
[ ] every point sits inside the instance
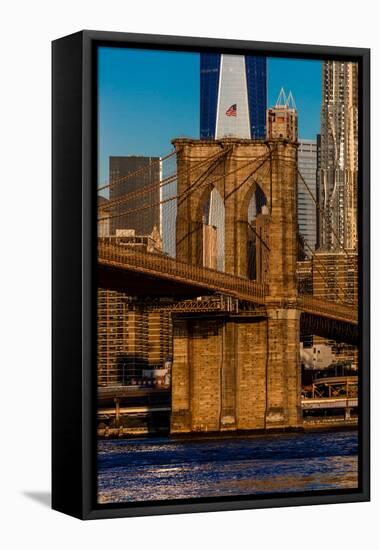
(306, 207)
(339, 155)
(103, 229)
(112, 336)
(282, 118)
(209, 246)
(132, 340)
(140, 243)
(233, 102)
(335, 276)
(318, 193)
(127, 175)
(160, 339)
(233, 96)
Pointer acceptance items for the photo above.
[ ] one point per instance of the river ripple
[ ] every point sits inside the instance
(166, 468)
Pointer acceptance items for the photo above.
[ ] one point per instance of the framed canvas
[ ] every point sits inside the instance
(210, 275)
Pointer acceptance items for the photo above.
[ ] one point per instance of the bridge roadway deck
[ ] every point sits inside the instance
(164, 267)
(329, 403)
(111, 411)
(332, 310)
(308, 404)
(107, 392)
(126, 391)
(183, 279)
(337, 380)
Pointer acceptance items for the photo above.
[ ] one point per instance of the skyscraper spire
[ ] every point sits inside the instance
(282, 99)
(282, 119)
(290, 101)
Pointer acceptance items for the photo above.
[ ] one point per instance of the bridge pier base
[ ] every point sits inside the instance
(236, 373)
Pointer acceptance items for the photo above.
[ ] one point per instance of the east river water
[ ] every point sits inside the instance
(165, 468)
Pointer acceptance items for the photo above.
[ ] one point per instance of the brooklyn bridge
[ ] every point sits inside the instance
(238, 302)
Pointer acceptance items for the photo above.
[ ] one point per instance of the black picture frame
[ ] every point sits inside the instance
(74, 172)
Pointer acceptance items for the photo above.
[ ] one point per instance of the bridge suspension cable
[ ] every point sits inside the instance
(158, 184)
(321, 210)
(197, 183)
(202, 178)
(315, 257)
(129, 175)
(148, 218)
(318, 207)
(265, 159)
(133, 195)
(318, 259)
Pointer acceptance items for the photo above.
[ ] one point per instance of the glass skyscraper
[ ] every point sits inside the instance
(233, 96)
(339, 156)
(147, 172)
(307, 155)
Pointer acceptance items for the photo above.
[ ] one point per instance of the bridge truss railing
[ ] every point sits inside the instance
(166, 267)
(124, 257)
(333, 310)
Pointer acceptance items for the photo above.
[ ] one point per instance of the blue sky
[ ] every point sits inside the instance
(303, 78)
(146, 98)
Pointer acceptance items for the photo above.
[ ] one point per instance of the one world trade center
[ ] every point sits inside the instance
(233, 96)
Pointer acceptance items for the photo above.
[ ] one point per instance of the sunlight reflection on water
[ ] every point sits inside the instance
(164, 468)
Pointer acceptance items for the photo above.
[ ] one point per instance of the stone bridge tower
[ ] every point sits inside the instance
(239, 372)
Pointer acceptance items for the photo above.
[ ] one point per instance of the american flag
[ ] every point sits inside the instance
(232, 111)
